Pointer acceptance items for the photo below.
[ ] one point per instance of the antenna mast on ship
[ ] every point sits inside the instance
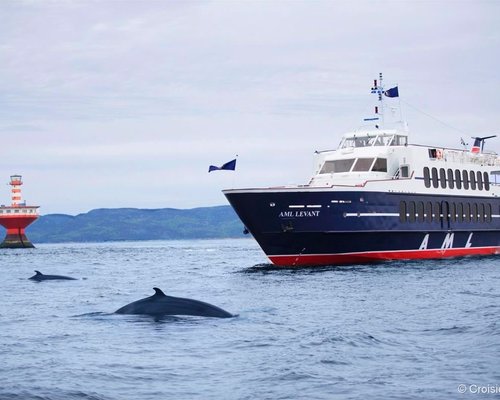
(378, 88)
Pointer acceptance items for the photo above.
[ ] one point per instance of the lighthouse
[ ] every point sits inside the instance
(16, 217)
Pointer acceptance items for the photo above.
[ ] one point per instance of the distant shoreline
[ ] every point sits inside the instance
(135, 224)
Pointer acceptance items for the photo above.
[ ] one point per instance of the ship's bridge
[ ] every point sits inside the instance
(354, 140)
(360, 156)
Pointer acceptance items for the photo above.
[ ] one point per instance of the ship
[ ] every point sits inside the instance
(378, 198)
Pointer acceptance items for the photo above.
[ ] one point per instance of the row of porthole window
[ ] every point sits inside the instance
(475, 180)
(16, 211)
(420, 211)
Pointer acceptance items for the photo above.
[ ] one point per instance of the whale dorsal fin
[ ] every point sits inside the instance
(38, 272)
(158, 292)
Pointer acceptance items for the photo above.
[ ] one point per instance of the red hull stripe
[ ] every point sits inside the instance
(374, 256)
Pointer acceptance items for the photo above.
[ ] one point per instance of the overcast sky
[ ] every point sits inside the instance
(127, 103)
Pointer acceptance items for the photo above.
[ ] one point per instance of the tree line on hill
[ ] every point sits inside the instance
(117, 224)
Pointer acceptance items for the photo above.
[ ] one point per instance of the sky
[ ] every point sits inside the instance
(107, 104)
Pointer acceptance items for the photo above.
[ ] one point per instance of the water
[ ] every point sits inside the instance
(401, 330)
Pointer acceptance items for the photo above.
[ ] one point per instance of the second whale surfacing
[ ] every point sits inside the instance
(161, 304)
(42, 277)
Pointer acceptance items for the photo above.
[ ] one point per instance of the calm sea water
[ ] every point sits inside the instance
(401, 330)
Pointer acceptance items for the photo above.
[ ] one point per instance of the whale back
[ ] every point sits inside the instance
(41, 277)
(161, 304)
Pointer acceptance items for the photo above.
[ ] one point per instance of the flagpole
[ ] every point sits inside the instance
(380, 99)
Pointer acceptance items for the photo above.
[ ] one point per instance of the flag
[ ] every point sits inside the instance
(393, 92)
(229, 166)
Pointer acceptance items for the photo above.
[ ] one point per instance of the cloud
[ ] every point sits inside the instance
(135, 88)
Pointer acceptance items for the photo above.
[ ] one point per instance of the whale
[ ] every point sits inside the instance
(41, 277)
(160, 304)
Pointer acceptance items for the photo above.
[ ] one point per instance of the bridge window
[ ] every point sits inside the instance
(380, 165)
(363, 164)
(427, 177)
(458, 179)
(334, 166)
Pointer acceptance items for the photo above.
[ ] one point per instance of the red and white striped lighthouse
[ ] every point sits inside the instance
(16, 217)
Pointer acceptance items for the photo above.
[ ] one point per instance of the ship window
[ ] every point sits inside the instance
(465, 176)
(472, 176)
(460, 212)
(435, 180)
(437, 211)
(411, 211)
(453, 210)
(337, 166)
(467, 212)
(479, 176)
(360, 141)
(427, 177)
(420, 211)
(486, 181)
(481, 212)
(487, 212)
(495, 177)
(458, 179)
(446, 211)
(432, 153)
(402, 211)
(442, 177)
(380, 165)
(473, 212)
(399, 141)
(363, 164)
(428, 211)
(404, 171)
(451, 184)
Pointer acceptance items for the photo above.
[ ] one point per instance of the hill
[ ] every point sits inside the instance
(114, 224)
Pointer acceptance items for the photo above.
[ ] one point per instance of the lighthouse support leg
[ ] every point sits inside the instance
(16, 239)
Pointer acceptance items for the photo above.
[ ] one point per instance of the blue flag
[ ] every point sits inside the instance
(393, 92)
(229, 166)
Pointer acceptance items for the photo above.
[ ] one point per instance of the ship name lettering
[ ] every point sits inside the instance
(469, 242)
(298, 214)
(448, 241)
(423, 246)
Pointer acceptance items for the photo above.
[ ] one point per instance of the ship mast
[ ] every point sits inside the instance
(378, 88)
